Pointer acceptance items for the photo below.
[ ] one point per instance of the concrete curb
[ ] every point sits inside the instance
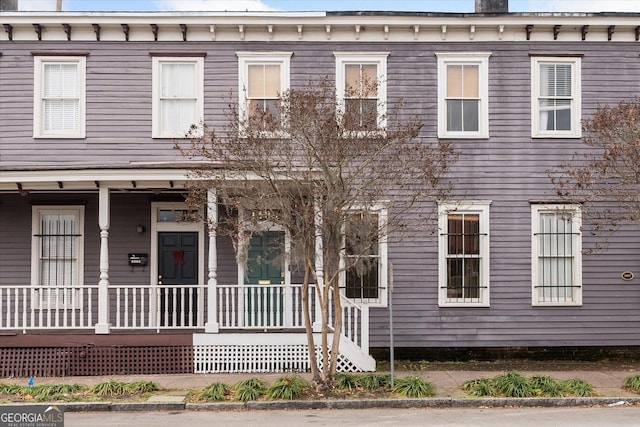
(540, 402)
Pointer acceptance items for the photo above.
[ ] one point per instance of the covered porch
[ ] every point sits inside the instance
(188, 289)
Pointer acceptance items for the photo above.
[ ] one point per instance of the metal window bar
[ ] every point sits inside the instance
(58, 261)
(555, 258)
(469, 292)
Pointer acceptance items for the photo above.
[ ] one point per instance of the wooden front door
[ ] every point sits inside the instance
(178, 265)
(265, 280)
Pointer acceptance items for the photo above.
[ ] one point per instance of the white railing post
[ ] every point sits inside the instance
(103, 326)
(212, 325)
(364, 328)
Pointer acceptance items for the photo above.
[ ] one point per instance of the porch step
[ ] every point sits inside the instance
(256, 352)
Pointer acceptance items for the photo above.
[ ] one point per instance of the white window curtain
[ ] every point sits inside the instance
(61, 101)
(178, 98)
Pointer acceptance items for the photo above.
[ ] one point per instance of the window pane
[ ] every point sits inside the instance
(471, 81)
(69, 83)
(563, 80)
(454, 115)
(454, 81)
(470, 115)
(272, 81)
(369, 80)
(177, 114)
(178, 80)
(352, 79)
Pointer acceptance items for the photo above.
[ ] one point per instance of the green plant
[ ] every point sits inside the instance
(249, 389)
(512, 384)
(480, 387)
(373, 381)
(213, 392)
(141, 387)
(10, 388)
(346, 381)
(578, 387)
(547, 386)
(288, 387)
(632, 383)
(413, 386)
(109, 388)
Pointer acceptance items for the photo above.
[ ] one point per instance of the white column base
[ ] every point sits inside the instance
(103, 328)
(212, 328)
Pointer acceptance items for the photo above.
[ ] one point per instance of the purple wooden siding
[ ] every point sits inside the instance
(509, 169)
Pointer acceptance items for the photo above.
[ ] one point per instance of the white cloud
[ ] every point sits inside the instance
(584, 6)
(39, 5)
(212, 5)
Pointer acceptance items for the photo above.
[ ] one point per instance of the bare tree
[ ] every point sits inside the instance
(323, 170)
(606, 178)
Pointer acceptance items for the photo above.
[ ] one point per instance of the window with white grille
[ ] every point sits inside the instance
(178, 106)
(57, 255)
(555, 97)
(556, 268)
(463, 95)
(59, 97)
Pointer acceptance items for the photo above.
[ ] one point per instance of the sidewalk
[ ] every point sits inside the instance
(608, 385)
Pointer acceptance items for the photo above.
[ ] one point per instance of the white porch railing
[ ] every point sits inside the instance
(144, 307)
(62, 307)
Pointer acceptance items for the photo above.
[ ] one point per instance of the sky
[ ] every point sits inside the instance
(329, 5)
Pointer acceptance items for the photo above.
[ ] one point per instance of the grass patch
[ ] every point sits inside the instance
(249, 389)
(632, 383)
(513, 384)
(413, 386)
(288, 387)
(119, 388)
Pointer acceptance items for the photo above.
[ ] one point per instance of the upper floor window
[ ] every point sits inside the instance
(556, 259)
(365, 255)
(463, 95)
(361, 89)
(463, 248)
(555, 97)
(263, 79)
(178, 105)
(59, 97)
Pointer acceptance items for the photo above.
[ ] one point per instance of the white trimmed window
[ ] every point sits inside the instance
(57, 253)
(59, 97)
(556, 259)
(365, 278)
(463, 248)
(361, 88)
(178, 90)
(463, 95)
(555, 97)
(263, 79)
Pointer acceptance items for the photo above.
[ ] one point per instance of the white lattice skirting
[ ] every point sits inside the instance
(229, 356)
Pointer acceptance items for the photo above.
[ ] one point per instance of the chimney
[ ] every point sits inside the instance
(8, 4)
(492, 6)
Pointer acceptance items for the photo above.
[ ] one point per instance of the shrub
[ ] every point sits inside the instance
(413, 386)
(141, 387)
(547, 386)
(109, 388)
(632, 383)
(512, 384)
(578, 387)
(373, 381)
(249, 389)
(213, 392)
(288, 387)
(480, 387)
(346, 381)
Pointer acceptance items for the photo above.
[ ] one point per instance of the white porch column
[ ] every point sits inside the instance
(212, 325)
(103, 326)
(319, 265)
